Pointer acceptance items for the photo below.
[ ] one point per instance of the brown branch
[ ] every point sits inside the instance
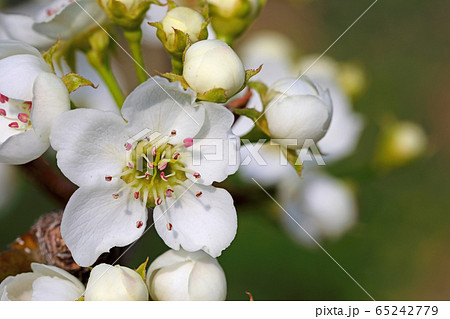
(51, 180)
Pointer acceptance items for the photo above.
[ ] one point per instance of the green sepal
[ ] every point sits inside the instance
(292, 158)
(80, 299)
(171, 5)
(175, 77)
(74, 81)
(141, 270)
(251, 73)
(215, 95)
(257, 117)
(261, 88)
(48, 55)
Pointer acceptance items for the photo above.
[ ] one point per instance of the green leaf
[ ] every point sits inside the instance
(293, 160)
(141, 270)
(74, 81)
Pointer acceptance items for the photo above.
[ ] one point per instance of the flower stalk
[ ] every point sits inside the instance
(134, 38)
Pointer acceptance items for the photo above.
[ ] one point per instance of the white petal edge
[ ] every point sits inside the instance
(208, 223)
(22, 148)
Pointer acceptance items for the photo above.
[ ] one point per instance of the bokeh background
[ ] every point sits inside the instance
(400, 247)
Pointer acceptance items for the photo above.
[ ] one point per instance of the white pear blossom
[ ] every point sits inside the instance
(323, 205)
(63, 19)
(346, 125)
(118, 176)
(31, 97)
(183, 276)
(212, 64)
(299, 109)
(45, 283)
(115, 283)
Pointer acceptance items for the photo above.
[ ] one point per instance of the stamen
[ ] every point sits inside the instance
(139, 224)
(127, 146)
(158, 201)
(188, 142)
(14, 125)
(199, 194)
(175, 155)
(130, 165)
(115, 196)
(23, 117)
(3, 99)
(2, 112)
(169, 193)
(136, 195)
(108, 178)
(163, 177)
(173, 133)
(162, 165)
(154, 151)
(197, 175)
(169, 226)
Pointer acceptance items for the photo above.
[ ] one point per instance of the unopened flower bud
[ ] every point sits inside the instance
(111, 283)
(128, 14)
(400, 143)
(298, 109)
(230, 18)
(179, 25)
(213, 70)
(183, 276)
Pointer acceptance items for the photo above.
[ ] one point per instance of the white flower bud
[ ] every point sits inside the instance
(226, 7)
(184, 19)
(212, 64)
(183, 276)
(45, 283)
(111, 283)
(401, 143)
(299, 109)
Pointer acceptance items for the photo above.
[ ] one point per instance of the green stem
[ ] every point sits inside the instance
(107, 76)
(134, 39)
(177, 66)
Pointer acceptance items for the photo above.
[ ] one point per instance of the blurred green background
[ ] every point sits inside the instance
(399, 249)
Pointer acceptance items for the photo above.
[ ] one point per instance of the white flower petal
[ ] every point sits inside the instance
(20, 27)
(90, 145)
(13, 47)
(22, 148)
(18, 73)
(171, 283)
(162, 106)
(52, 271)
(94, 222)
(215, 154)
(206, 223)
(50, 99)
(18, 287)
(207, 281)
(54, 289)
(72, 20)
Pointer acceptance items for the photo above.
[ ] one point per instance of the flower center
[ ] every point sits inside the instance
(16, 112)
(153, 169)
